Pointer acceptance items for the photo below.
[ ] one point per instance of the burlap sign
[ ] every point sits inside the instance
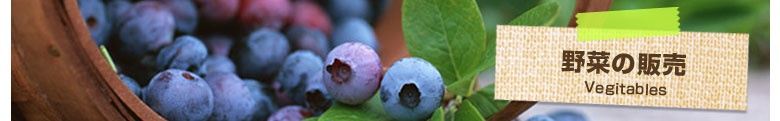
(536, 64)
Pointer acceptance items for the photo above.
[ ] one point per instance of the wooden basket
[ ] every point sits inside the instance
(57, 72)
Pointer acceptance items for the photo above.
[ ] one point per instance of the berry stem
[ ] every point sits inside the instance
(108, 57)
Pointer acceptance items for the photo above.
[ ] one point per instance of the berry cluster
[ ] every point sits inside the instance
(560, 115)
(257, 59)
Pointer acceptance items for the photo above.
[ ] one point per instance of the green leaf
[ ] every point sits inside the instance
(467, 112)
(566, 10)
(370, 110)
(450, 35)
(311, 119)
(484, 101)
(438, 115)
(463, 88)
(542, 15)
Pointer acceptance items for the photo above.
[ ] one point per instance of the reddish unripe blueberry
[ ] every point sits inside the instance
(309, 14)
(264, 13)
(218, 11)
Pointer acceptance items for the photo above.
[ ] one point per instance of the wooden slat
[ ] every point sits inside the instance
(58, 72)
(588, 6)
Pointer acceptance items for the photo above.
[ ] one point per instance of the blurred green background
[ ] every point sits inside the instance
(732, 16)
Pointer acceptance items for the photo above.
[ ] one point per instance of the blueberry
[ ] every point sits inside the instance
(568, 115)
(300, 81)
(290, 113)
(233, 101)
(132, 84)
(217, 64)
(380, 7)
(218, 11)
(218, 44)
(303, 38)
(262, 94)
(185, 53)
(343, 9)
(262, 55)
(179, 95)
(412, 89)
(141, 73)
(144, 28)
(281, 97)
(114, 9)
(540, 118)
(309, 14)
(354, 30)
(185, 14)
(316, 96)
(352, 73)
(297, 68)
(264, 13)
(94, 14)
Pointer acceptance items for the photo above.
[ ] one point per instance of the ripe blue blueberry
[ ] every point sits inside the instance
(290, 113)
(412, 89)
(185, 14)
(186, 52)
(114, 9)
(233, 101)
(217, 64)
(179, 95)
(145, 28)
(379, 8)
(262, 54)
(94, 14)
(281, 97)
(304, 38)
(352, 73)
(298, 67)
(540, 118)
(316, 96)
(354, 30)
(568, 115)
(132, 84)
(265, 103)
(218, 44)
(342, 9)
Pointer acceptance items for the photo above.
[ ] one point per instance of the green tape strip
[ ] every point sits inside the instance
(628, 24)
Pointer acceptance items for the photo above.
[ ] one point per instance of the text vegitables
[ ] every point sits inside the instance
(624, 89)
(647, 64)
